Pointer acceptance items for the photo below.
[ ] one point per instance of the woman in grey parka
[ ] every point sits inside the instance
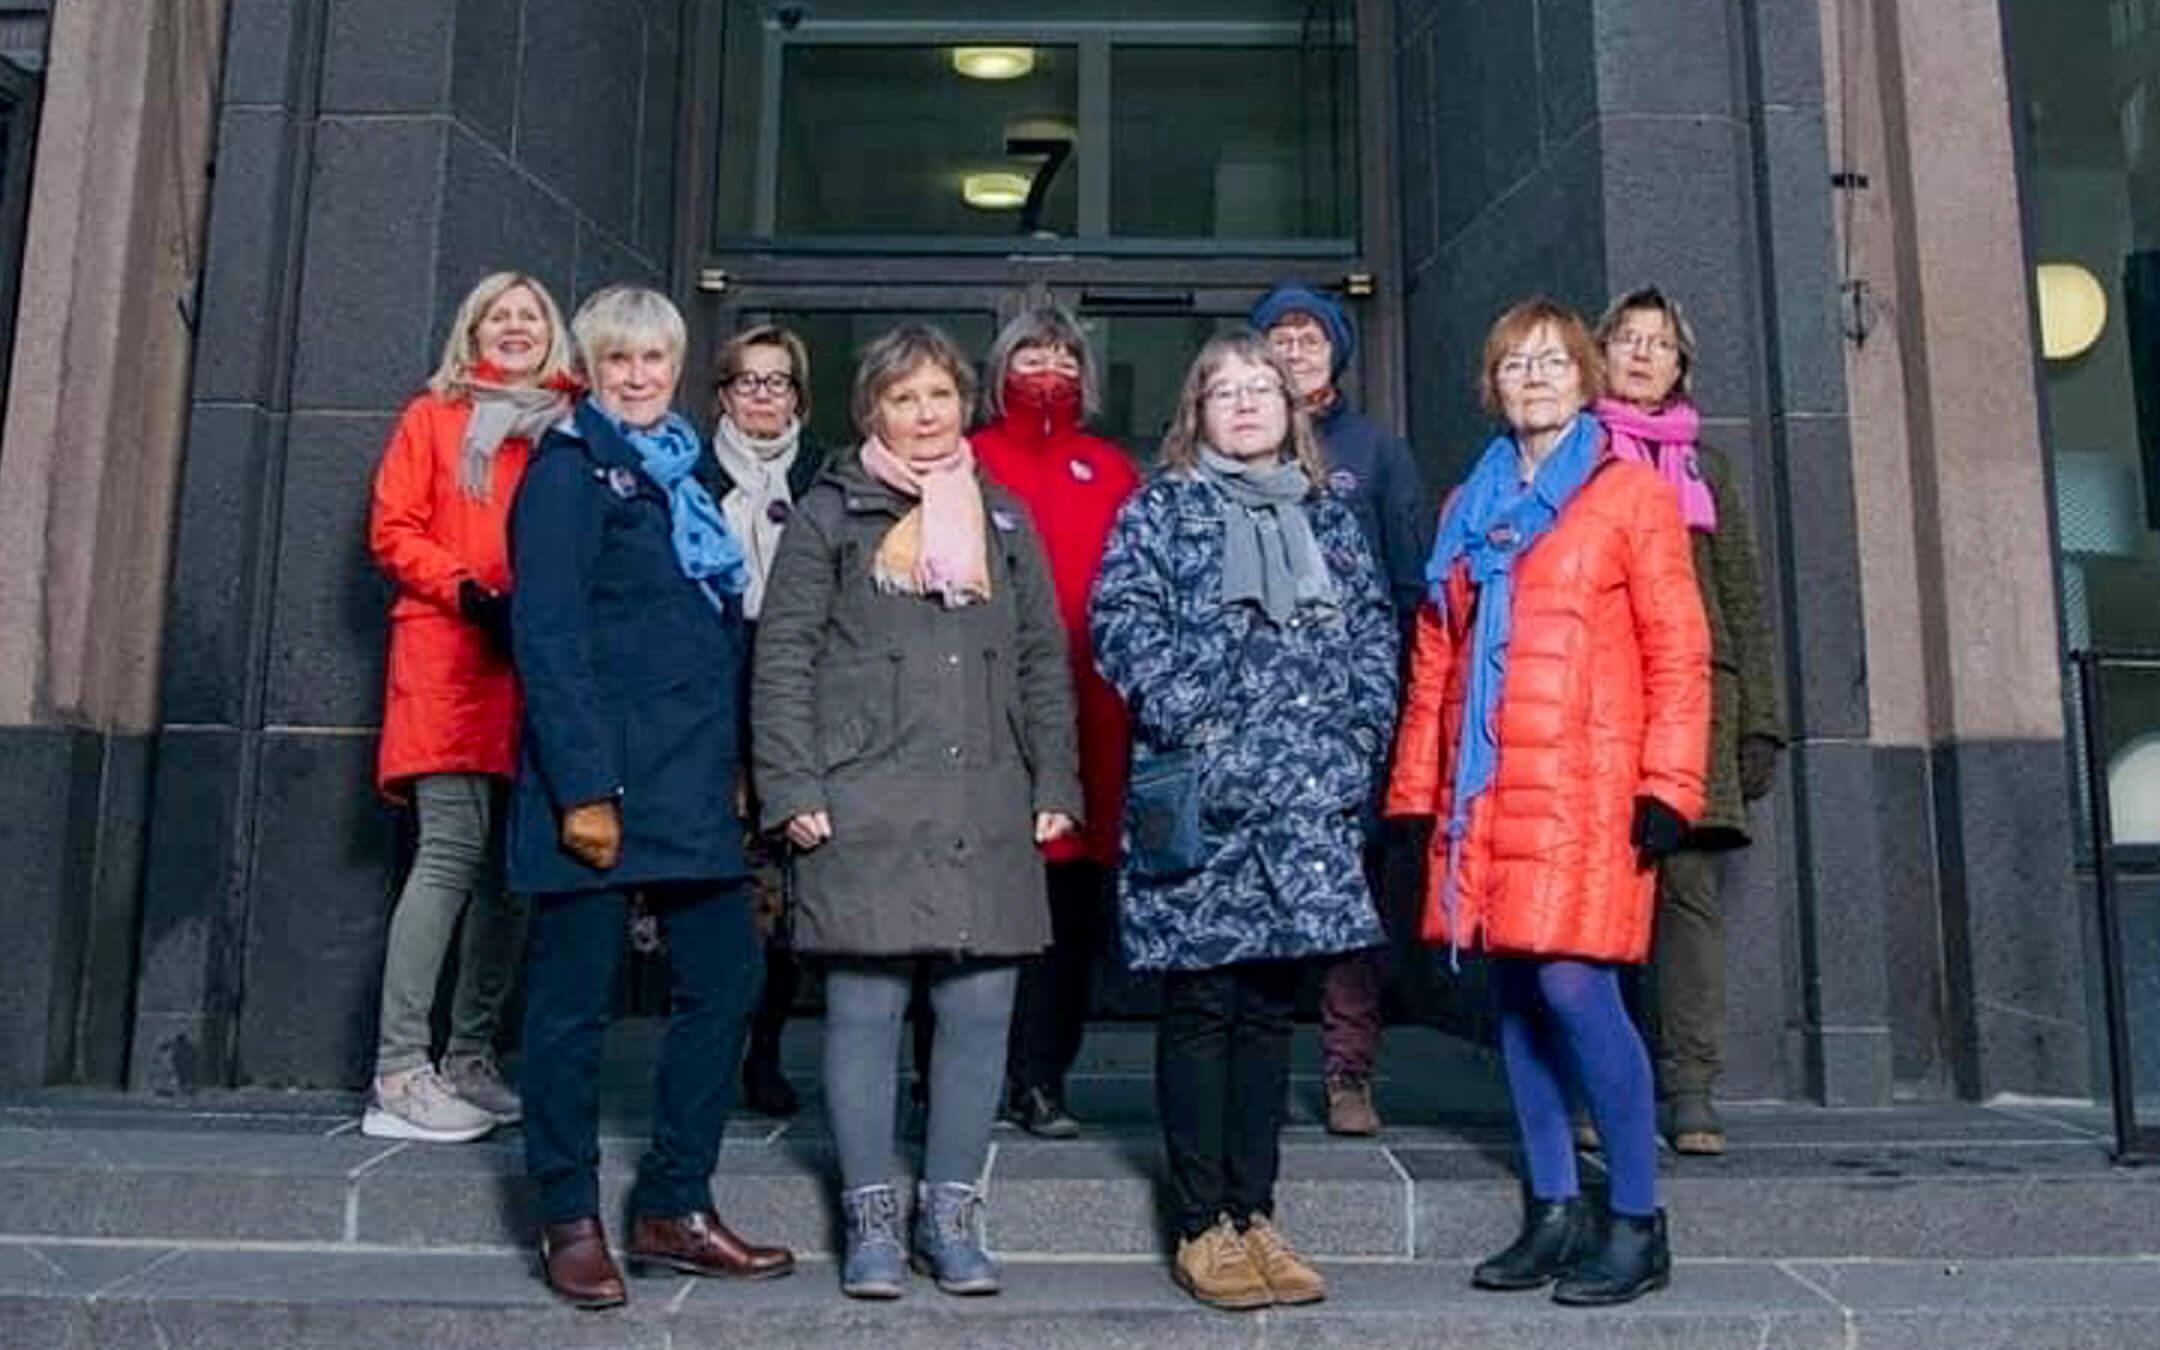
(913, 735)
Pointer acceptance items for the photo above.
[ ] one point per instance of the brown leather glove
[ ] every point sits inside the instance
(592, 834)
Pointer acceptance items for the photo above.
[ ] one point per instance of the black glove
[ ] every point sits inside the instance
(1659, 831)
(487, 610)
(1758, 766)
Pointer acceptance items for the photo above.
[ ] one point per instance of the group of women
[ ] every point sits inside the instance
(953, 686)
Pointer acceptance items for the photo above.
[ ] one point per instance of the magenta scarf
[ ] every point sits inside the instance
(1637, 435)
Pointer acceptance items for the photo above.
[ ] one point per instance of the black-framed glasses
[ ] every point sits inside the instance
(747, 382)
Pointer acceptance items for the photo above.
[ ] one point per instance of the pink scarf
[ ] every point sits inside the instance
(1636, 434)
(938, 547)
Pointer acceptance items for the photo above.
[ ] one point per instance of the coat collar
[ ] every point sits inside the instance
(608, 448)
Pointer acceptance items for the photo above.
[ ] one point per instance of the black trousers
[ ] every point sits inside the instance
(1050, 1011)
(1222, 1073)
(714, 955)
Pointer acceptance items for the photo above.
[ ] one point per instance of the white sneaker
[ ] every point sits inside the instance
(418, 1104)
(478, 1079)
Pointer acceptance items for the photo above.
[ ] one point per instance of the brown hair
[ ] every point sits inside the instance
(1521, 320)
(899, 354)
(1657, 302)
(1181, 446)
(729, 363)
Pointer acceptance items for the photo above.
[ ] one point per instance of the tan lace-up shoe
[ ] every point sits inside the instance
(1218, 1270)
(1288, 1277)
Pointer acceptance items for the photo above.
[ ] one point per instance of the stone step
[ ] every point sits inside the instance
(200, 1297)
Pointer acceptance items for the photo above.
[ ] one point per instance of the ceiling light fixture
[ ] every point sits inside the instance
(997, 190)
(2073, 310)
(993, 63)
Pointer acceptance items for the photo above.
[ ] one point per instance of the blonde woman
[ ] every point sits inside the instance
(449, 740)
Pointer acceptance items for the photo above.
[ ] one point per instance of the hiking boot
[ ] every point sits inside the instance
(1349, 1105)
(478, 1079)
(1554, 1233)
(948, 1238)
(1041, 1113)
(1625, 1261)
(1218, 1269)
(1694, 1126)
(874, 1264)
(1289, 1278)
(418, 1104)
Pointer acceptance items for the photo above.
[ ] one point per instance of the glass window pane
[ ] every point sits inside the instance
(1143, 359)
(1234, 142)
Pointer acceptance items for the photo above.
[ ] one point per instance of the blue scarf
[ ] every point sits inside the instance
(708, 553)
(1493, 520)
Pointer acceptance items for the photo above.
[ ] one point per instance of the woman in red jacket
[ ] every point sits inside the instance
(1557, 726)
(439, 530)
(1041, 387)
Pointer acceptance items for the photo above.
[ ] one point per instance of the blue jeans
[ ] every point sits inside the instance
(715, 962)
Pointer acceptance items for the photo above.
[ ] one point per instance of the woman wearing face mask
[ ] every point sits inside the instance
(761, 403)
(1555, 728)
(914, 738)
(1041, 388)
(1242, 617)
(439, 529)
(630, 640)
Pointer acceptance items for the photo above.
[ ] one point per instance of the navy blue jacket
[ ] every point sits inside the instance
(1372, 472)
(634, 684)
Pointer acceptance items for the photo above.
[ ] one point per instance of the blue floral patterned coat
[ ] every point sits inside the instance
(1292, 724)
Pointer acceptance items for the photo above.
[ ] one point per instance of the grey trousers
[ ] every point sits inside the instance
(864, 1004)
(456, 871)
(1689, 954)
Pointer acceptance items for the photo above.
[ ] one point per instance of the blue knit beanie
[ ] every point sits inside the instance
(1295, 297)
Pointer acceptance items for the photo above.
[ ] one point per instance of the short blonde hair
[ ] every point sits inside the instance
(1188, 429)
(729, 363)
(453, 377)
(1521, 320)
(899, 354)
(616, 317)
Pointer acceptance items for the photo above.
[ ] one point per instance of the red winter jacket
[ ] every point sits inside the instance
(452, 702)
(1073, 484)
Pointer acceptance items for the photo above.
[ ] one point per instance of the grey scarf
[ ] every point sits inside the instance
(757, 506)
(1269, 555)
(503, 412)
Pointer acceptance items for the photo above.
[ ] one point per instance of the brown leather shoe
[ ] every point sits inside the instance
(697, 1243)
(579, 1269)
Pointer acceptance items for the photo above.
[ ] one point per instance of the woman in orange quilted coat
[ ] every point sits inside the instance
(439, 530)
(1556, 730)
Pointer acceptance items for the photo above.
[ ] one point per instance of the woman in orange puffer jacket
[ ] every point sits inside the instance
(1557, 729)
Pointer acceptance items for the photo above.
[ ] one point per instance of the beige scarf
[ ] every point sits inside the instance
(757, 506)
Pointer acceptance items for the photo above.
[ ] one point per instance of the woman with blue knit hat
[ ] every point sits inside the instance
(627, 627)
(1371, 470)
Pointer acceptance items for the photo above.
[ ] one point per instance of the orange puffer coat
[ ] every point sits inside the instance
(1607, 697)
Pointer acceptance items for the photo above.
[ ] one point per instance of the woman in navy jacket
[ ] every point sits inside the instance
(627, 625)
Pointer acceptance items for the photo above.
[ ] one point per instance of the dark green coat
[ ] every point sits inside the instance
(932, 736)
(1743, 655)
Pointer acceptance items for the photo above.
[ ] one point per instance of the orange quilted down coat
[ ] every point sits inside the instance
(1607, 697)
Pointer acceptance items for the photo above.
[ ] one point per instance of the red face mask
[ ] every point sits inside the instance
(1051, 393)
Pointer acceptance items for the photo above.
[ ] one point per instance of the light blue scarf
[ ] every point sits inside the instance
(1493, 520)
(705, 549)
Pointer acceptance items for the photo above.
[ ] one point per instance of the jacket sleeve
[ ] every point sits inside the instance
(1673, 639)
(1406, 530)
(1133, 621)
(555, 533)
(1414, 782)
(1046, 684)
(1375, 647)
(785, 769)
(403, 510)
(1740, 598)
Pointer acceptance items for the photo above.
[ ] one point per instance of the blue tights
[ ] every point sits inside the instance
(1563, 1022)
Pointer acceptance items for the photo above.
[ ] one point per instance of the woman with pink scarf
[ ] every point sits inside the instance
(1650, 417)
(913, 737)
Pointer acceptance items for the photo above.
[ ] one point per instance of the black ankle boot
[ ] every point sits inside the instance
(766, 1090)
(1628, 1259)
(1554, 1234)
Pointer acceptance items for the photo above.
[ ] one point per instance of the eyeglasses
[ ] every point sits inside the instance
(1549, 365)
(1259, 389)
(1290, 341)
(1657, 344)
(748, 382)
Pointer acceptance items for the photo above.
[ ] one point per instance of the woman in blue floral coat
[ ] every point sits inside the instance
(1242, 619)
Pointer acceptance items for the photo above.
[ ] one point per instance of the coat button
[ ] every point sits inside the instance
(952, 752)
(953, 659)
